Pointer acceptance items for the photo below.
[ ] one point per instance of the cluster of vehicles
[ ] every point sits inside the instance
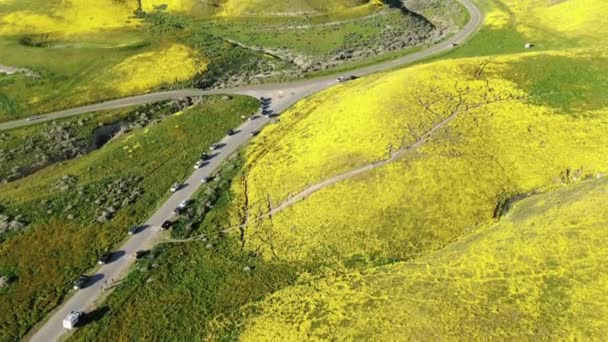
(74, 318)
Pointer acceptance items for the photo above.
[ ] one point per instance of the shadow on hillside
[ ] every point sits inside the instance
(398, 4)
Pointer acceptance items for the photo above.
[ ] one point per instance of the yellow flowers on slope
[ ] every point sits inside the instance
(538, 274)
(288, 7)
(77, 16)
(585, 20)
(500, 144)
(68, 17)
(144, 71)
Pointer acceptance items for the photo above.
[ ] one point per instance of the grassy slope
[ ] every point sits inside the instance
(16, 138)
(538, 273)
(410, 209)
(187, 280)
(292, 7)
(159, 154)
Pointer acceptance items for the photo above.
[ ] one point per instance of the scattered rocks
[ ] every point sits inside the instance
(65, 183)
(115, 195)
(3, 282)
(11, 224)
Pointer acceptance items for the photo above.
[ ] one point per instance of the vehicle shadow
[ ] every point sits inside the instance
(117, 255)
(142, 228)
(93, 279)
(94, 315)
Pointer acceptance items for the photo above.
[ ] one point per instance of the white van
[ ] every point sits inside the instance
(71, 320)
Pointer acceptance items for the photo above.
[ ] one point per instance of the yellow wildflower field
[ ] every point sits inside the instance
(76, 16)
(538, 274)
(577, 22)
(504, 141)
(291, 7)
(149, 69)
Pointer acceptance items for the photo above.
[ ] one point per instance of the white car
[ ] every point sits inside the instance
(198, 164)
(184, 203)
(175, 187)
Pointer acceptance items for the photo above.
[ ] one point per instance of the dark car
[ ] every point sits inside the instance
(265, 99)
(347, 78)
(81, 282)
(133, 230)
(254, 133)
(104, 258)
(166, 225)
(230, 132)
(207, 179)
(178, 210)
(205, 156)
(141, 253)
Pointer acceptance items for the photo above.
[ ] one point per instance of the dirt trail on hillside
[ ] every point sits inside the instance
(350, 174)
(461, 107)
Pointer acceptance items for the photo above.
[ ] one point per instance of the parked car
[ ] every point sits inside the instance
(104, 258)
(166, 225)
(133, 230)
(184, 203)
(175, 187)
(72, 320)
(347, 78)
(141, 253)
(81, 282)
(199, 163)
(207, 179)
(230, 132)
(254, 133)
(178, 210)
(213, 147)
(205, 156)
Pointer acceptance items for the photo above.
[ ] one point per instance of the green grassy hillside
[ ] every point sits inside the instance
(537, 274)
(73, 211)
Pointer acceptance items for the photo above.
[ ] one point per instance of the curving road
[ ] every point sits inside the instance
(294, 91)
(283, 95)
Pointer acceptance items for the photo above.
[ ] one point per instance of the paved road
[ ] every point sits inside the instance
(283, 95)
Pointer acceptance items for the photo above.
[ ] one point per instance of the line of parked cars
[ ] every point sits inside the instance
(74, 318)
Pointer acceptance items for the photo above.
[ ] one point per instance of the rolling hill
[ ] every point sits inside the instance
(538, 273)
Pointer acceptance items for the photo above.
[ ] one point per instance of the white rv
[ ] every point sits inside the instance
(72, 319)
